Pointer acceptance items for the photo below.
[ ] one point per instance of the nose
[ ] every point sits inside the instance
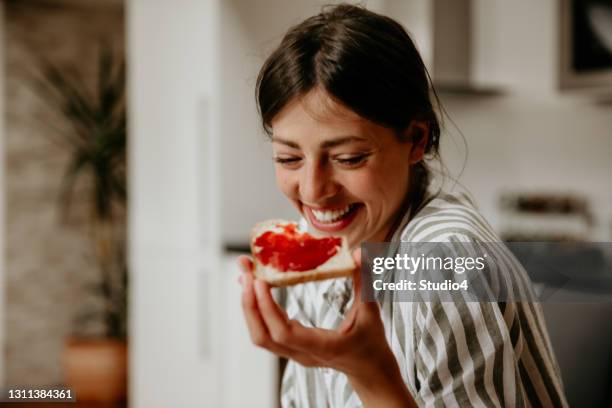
(317, 184)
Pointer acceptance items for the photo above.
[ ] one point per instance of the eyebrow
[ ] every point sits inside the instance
(328, 144)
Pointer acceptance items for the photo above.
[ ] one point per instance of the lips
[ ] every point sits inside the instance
(332, 219)
(328, 216)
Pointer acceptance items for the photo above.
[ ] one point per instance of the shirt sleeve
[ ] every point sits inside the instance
(492, 351)
(465, 356)
(490, 354)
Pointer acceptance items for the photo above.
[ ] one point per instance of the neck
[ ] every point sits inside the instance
(414, 199)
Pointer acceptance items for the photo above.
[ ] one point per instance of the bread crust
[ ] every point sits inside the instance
(278, 279)
(303, 277)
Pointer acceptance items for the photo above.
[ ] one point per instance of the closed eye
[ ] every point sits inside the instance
(287, 161)
(351, 160)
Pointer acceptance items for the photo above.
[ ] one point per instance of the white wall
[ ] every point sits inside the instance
(416, 16)
(250, 374)
(525, 144)
(174, 293)
(532, 138)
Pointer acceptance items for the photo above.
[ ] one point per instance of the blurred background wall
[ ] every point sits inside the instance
(178, 343)
(48, 263)
(533, 143)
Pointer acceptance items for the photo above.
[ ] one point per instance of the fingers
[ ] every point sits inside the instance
(274, 318)
(270, 328)
(291, 334)
(258, 330)
(246, 266)
(285, 332)
(255, 324)
(246, 263)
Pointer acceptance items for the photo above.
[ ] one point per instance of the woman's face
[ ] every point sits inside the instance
(346, 175)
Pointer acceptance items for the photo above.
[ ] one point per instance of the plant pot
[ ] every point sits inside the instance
(96, 369)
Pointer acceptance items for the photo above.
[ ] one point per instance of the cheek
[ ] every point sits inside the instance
(381, 186)
(286, 182)
(361, 185)
(366, 184)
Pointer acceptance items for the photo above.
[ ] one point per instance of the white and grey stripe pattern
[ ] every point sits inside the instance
(475, 354)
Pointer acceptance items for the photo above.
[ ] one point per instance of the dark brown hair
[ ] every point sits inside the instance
(364, 61)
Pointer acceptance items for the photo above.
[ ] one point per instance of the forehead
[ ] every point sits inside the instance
(316, 117)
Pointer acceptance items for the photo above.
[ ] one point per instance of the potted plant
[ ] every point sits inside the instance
(95, 139)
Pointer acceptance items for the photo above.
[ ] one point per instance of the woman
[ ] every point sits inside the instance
(346, 101)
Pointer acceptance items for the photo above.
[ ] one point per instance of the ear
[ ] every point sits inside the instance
(418, 135)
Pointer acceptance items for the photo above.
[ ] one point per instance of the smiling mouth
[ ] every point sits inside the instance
(332, 220)
(331, 216)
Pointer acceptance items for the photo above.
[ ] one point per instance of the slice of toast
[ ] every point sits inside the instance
(339, 265)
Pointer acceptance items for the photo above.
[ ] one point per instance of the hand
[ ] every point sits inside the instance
(358, 348)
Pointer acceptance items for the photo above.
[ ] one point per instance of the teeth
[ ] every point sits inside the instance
(331, 216)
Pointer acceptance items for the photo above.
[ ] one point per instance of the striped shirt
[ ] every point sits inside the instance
(482, 354)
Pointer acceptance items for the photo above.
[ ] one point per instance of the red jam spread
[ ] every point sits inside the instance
(294, 251)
